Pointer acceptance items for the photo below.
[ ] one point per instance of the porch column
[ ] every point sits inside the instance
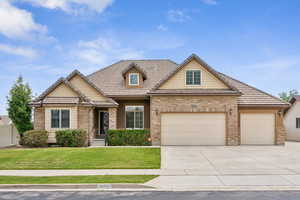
(112, 118)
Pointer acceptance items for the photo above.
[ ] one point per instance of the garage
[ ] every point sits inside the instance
(257, 128)
(193, 128)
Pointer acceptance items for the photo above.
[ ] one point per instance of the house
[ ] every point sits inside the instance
(185, 104)
(292, 119)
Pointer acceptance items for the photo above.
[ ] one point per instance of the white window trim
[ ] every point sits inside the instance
(134, 118)
(60, 119)
(193, 85)
(138, 79)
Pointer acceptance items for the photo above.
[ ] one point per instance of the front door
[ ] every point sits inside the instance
(102, 124)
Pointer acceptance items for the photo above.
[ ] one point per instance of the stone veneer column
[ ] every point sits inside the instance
(39, 118)
(112, 118)
(86, 120)
(280, 129)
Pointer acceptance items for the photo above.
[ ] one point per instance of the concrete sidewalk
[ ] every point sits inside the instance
(201, 182)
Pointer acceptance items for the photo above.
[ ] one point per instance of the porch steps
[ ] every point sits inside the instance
(98, 143)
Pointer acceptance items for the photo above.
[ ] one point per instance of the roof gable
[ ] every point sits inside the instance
(85, 86)
(61, 88)
(211, 75)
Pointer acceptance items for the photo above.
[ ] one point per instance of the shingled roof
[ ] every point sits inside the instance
(253, 96)
(111, 82)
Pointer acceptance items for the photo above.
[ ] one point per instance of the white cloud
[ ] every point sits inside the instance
(210, 2)
(20, 51)
(103, 51)
(73, 6)
(177, 16)
(17, 23)
(162, 27)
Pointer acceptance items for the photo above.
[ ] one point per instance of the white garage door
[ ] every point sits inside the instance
(193, 128)
(257, 128)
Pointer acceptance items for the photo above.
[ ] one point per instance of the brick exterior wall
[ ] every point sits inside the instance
(39, 118)
(112, 118)
(209, 104)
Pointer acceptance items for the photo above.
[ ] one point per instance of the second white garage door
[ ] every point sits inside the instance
(193, 128)
(257, 128)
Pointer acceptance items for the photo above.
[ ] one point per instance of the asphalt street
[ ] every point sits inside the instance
(271, 195)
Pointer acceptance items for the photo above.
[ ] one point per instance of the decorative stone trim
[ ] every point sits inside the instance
(112, 118)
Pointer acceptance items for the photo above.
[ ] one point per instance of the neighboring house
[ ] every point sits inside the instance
(292, 119)
(8, 132)
(186, 104)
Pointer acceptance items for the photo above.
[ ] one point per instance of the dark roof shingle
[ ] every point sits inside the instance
(111, 80)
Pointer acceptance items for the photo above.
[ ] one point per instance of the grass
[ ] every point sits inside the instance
(75, 179)
(80, 158)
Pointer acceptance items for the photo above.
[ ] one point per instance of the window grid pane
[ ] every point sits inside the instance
(65, 119)
(297, 122)
(129, 119)
(193, 77)
(54, 118)
(189, 77)
(197, 78)
(139, 120)
(134, 117)
(133, 79)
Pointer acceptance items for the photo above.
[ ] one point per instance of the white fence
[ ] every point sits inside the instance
(8, 135)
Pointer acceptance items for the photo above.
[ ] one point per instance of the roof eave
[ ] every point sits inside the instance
(264, 105)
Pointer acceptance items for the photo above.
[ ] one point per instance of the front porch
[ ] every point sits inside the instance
(105, 118)
(102, 120)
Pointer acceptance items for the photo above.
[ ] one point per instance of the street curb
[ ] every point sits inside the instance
(139, 188)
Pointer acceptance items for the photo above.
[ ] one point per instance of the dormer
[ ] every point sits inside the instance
(134, 76)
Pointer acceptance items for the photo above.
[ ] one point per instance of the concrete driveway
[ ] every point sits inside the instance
(213, 168)
(238, 160)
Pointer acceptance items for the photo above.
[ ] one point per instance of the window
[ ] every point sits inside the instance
(134, 117)
(133, 79)
(193, 77)
(60, 118)
(297, 122)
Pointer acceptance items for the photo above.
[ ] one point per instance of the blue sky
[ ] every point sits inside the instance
(255, 41)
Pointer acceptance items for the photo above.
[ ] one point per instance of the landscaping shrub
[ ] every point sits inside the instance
(71, 138)
(35, 138)
(128, 138)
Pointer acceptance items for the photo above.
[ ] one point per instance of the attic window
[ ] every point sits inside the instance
(193, 77)
(133, 79)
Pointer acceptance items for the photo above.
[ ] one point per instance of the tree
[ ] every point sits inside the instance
(286, 96)
(18, 109)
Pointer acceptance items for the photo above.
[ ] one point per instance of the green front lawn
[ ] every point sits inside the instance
(75, 179)
(80, 158)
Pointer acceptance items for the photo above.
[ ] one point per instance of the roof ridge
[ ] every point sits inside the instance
(259, 90)
(130, 61)
(99, 70)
